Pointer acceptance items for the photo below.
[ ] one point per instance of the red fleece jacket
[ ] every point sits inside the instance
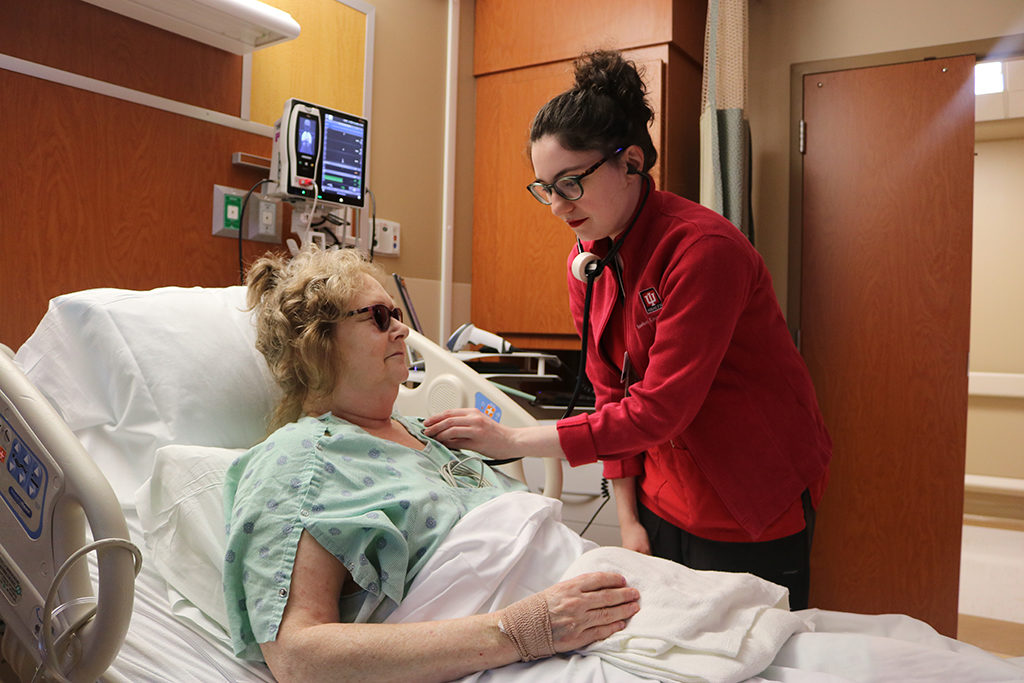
(723, 398)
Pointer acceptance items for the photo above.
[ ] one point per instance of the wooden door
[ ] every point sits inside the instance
(884, 327)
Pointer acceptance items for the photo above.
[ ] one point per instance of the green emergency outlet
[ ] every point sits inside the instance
(232, 212)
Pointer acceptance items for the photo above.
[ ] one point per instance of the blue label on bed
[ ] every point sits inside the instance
(487, 407)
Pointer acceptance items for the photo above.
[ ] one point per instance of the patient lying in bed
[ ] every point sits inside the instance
(334, 516)
(331, 518)
(165, 414)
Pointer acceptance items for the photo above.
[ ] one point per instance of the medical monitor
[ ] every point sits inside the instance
(320, 152)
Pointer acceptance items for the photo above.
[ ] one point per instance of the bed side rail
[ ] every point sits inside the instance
(49, 488)
(445, 382)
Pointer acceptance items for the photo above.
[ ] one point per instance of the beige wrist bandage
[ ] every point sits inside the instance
(528, 625)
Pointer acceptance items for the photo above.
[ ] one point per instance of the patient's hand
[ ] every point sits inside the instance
(588, 608)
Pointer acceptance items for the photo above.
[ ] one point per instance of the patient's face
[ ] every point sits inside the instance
(368, 358)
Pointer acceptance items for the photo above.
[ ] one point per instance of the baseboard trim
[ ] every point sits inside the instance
(994, 522)
(995, 497)
(1003, 638)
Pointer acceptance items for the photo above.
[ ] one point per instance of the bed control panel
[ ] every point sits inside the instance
(23, 480)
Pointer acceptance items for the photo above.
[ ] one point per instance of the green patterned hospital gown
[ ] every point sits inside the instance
(379, 507)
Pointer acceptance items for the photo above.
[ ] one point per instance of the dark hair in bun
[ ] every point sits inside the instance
(606, 108)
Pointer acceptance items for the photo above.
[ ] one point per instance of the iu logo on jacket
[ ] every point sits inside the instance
(651, 300)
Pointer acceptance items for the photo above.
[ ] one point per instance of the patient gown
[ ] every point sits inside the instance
(379, 507)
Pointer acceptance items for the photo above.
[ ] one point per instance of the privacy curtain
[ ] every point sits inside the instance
(724, 129)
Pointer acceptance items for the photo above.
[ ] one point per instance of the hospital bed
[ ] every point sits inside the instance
(123, 411)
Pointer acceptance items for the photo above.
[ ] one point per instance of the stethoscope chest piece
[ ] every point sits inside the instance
(584, 264)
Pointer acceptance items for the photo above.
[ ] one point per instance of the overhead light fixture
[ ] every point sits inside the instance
(238, 26)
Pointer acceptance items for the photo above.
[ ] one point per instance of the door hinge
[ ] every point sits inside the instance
(803, 136)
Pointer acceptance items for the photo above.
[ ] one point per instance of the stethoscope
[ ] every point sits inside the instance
(587, 267)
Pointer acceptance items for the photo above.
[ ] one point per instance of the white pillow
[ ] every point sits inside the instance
(132, 371)
(181, 509)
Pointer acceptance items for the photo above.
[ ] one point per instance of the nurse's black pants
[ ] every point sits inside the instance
(785, 561)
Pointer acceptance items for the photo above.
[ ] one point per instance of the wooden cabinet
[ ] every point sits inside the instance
(523, 56)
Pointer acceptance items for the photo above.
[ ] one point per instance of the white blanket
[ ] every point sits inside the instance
(515, 546)
(692, 626)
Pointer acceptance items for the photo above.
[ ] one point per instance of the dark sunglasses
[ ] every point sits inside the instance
(382, 315)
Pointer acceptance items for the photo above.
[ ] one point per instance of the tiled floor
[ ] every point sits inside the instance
(992, 589)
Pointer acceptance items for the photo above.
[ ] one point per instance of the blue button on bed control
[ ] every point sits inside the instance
(487, 407)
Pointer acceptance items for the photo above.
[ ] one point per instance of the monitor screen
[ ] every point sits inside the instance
(343, 158)
(306, 135)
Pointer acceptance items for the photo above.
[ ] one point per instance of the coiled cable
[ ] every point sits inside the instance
(49, 667)
(461, 466)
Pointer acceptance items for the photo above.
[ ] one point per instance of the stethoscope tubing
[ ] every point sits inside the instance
(592, 275)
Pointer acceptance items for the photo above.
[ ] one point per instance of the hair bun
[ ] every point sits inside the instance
(605, 110)
(608, 73)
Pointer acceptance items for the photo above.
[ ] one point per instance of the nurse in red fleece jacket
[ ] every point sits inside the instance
(706, 417)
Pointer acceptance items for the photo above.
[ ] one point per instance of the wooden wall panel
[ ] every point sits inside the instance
(324, 65)
(681, 106)
(516, 33)
(84, 39)
(99, 192)
(519, 247)
(531, 256)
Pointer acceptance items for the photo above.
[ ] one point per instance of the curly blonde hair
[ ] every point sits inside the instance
(297, 301)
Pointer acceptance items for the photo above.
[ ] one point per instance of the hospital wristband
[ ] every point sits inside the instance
(528, 625)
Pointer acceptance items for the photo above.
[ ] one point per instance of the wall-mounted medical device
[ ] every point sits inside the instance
(319, 153)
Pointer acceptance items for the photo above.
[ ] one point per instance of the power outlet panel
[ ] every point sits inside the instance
(266, 223)
(262, 215)
(388, 238)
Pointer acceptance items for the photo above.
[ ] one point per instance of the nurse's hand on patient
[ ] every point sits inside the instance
(469, 428)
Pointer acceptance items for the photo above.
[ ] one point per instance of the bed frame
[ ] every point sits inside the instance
(449, 383)
(51, 489)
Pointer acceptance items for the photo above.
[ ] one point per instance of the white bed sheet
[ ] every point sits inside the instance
(160, 647)
(465, 575)
(844, 647)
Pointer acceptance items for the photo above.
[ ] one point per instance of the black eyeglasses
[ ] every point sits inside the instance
(382, 315)
(567, 187)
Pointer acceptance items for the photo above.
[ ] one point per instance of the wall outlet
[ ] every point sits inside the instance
(387, 241)
(262, 215)
(265, 222)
